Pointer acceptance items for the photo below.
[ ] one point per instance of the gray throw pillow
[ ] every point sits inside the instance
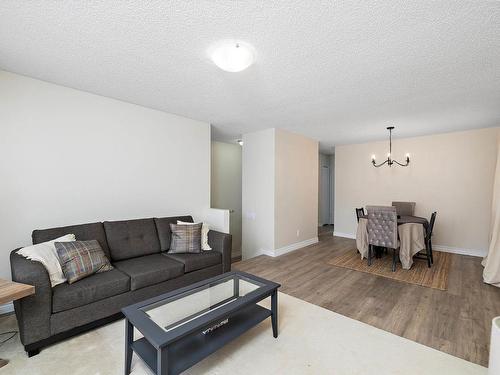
(185, 238)
(80, 259)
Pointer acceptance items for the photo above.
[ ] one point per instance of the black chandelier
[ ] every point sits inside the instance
(389, 161)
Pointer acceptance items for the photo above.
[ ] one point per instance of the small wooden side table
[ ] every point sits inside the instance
(11, 291)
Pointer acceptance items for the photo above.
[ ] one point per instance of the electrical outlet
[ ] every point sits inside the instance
(298, 232)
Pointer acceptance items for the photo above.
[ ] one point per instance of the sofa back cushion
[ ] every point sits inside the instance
(131, 238)
(82, 232)
(163, 228)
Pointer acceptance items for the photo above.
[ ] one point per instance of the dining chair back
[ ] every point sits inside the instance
(430, 229)
(382, 230)
(404, 208)
(360, 212)
(428, 236)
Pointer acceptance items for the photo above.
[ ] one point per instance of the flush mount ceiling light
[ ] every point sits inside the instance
(233, 56)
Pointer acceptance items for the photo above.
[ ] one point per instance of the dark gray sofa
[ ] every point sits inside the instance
(142, 269)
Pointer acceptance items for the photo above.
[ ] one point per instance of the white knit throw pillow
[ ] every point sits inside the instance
(46, 254)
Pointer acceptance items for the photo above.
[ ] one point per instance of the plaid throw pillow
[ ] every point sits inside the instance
(185, 238)
(80, 259)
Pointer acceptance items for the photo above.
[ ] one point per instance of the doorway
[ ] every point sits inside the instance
(326, 193)
(225, 190)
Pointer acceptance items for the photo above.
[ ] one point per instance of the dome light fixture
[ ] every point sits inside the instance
(233, 56)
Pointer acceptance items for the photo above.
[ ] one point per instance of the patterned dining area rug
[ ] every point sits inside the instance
(435, 277)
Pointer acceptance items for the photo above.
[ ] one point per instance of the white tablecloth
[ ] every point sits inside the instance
(411, 240)
(362, 237)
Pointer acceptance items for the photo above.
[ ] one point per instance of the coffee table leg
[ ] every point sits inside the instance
(274, 312)
(161, 361)
(129, 339)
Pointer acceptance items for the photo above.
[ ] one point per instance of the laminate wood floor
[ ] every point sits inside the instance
(456, 321)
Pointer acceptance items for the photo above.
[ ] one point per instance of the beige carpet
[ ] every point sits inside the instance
(435, 277)
(312, 340)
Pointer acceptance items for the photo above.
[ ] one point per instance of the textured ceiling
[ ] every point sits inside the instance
(337, 71)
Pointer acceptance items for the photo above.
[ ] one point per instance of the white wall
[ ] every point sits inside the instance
(258, 170)
(296, 189)
(69, 157)
(280, 192)
(449, 173)
(226, 186)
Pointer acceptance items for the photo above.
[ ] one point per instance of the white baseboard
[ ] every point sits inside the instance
(345, 235)
(7, 308)
(446, 249)
(458, 250)
(291, 247)
(295, 246)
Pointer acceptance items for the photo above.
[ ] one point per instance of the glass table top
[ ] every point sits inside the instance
(175, 311)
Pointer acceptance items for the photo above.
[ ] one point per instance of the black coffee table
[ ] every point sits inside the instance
(182, 327)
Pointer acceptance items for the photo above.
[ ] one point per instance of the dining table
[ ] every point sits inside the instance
(411, 233)
(407, 219)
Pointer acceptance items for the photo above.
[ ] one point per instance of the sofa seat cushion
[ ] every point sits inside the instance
(93, 288)
(194, 262)
(150, 270)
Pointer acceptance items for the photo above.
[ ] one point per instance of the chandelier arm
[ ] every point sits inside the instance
(381, 164)
(403, 165)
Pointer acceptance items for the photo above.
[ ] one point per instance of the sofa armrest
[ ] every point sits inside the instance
(32, 312)
(222, 243)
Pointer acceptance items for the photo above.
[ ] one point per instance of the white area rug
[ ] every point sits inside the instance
(312, 340)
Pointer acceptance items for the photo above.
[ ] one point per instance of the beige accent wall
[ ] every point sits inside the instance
(226, 186)
(296, 194)
(449, 173)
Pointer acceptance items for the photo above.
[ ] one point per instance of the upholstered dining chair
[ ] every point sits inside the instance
(404, 208)
(382, 230)
(360, 212)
